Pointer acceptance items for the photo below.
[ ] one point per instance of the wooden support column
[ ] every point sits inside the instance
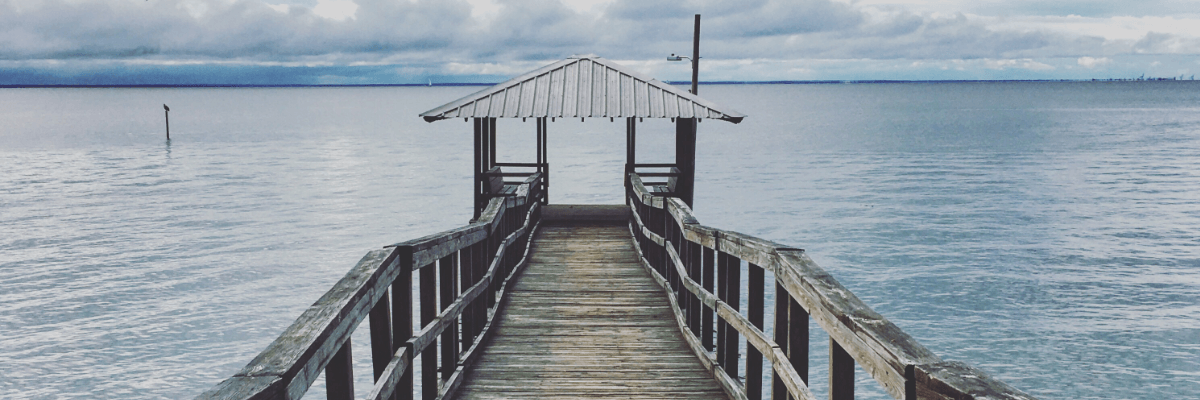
(546, 160)
(478, 168)
(339, 375)
(778, 390)
(381, 336)
(841, 372)
(694, 270)
(630, 145)
(491, 143)
(797, 337)
(402, 323)
(466, 271)
(543, 161)
(447, 269)
(723, 294)
(706, 318)
(733, 291)
(755, 301)
(429, 311)
(685, 158)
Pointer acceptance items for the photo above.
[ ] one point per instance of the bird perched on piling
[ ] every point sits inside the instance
(166, 108)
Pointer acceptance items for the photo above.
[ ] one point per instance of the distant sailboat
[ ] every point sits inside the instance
(430, 82)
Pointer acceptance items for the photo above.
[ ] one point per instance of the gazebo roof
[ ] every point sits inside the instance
(584, 86)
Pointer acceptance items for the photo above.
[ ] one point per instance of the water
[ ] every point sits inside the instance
(1044, 232)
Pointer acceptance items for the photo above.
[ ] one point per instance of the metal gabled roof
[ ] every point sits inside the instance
(585, 86)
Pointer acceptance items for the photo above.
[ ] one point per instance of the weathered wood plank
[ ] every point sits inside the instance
(584, 298)
(887, 353)
(302, 351)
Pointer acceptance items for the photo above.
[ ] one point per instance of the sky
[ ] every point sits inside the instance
(214, 42)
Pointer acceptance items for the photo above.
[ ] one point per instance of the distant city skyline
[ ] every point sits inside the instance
(274, 42)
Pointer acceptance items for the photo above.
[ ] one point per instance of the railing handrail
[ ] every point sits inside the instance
(906, 368)
(290, 364)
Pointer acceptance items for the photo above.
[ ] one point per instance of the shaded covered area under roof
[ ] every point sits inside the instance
(582, 87)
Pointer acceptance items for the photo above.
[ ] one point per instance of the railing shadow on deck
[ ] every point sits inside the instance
(700, 267)
(469, 268)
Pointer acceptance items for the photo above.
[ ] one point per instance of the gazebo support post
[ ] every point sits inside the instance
(478, 167)
(630, 150)
(543, 166)
(685, 158)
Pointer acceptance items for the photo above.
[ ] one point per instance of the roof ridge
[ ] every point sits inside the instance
(582, 86)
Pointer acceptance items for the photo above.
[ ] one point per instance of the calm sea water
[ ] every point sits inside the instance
(1048, 233)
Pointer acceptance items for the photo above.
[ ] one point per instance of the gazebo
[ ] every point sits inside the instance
(582, 87)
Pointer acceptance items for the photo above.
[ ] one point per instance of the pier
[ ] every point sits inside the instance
(637, 300)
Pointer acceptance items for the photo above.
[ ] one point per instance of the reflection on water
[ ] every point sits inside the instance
(1044, 232)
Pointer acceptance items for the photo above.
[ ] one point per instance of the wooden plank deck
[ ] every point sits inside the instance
(585, 320)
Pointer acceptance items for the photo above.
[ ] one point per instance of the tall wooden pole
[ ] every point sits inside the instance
(167, 116)
(696, 57)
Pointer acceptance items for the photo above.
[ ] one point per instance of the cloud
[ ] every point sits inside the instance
(338, 10)
(1027, 64)
(452, 37)
(1091, 62)
(1165, 43)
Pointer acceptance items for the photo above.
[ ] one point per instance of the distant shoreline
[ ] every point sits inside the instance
(817, 82)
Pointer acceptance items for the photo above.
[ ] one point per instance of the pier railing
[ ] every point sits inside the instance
(701, 269)
(463, 274)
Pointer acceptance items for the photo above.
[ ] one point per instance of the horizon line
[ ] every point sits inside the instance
(770, 82)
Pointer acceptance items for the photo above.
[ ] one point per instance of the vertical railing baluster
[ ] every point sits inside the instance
(694, 314)
(480, 303)
(489, 256)
(466, 275)
(754, 311)
(668, 237)
(339, 374)
(798, 337)
(722, 294)
(706, 317)
(778, 390)
(449, 293)
(402, 318)
(841, 372)
(381, 336)
(733, 289)
(429, 377)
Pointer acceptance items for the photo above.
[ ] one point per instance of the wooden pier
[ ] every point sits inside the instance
(586, 320)
(631, 301)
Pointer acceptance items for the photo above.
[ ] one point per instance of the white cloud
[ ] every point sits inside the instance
(338, 10)
(1027, 64)
(494, 37)
(1092, 62)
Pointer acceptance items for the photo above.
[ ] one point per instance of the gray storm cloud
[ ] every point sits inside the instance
(403, 31)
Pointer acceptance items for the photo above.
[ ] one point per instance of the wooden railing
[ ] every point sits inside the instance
(700, 267)
(468, 268)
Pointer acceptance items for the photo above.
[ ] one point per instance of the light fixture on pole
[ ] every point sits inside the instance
(695, 58)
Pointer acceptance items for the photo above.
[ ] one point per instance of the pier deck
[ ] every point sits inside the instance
(586, 320)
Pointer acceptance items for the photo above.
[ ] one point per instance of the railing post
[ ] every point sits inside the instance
(466, 280)
(381, 336)
(697, 308)
(446, 268)
(429, 378)
(841, 372)
(490, 257)
(722, 294)
(706, 317)
(733, 291)
(339, 374)
(778, 390)
(481, 305)
(755, 300)
(402, 322)
(797, 336)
